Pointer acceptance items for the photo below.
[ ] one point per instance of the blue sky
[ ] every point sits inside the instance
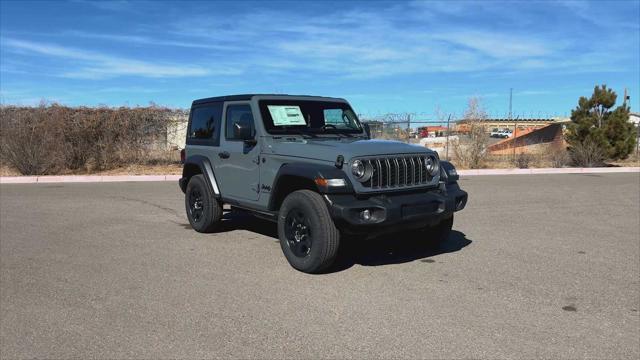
(419, 57)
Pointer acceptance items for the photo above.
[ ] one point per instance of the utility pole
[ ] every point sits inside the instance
(510, 103)
(626, 97)
(515, 124)
(448, 130)
(624, 103)
(408, 128)
(513, 140)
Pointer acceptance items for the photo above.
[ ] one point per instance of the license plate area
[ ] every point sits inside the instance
(413, 210)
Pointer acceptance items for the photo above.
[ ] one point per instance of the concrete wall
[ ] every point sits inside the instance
(535, 141)
(177, 133)
(439, 144)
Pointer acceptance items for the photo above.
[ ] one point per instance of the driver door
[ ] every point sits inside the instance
(238, 167)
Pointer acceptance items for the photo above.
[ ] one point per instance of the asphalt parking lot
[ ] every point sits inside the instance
(538, 266)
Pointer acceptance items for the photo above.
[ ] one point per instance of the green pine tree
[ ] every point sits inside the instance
(596, 128)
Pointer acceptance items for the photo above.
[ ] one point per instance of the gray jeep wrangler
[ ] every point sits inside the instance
(307, 163)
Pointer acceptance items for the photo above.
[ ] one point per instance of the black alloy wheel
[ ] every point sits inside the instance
(298, 233)
(195, 204)
(308, 237)
(204, 211)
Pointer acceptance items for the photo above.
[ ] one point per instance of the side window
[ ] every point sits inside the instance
(333, 117)
(240, 114)
(340, 118)
(205, 123)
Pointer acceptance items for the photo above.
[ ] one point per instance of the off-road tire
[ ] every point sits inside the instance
(206, 220)
(325, 237)
(439, 233)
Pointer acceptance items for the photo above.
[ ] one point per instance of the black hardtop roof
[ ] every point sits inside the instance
(241, 97)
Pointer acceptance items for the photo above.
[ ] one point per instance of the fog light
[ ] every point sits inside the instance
(365, 215)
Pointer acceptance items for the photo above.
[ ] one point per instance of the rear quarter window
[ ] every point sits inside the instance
(204, 124)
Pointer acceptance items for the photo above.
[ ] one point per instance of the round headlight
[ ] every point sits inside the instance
(358, 169)
(431, 164)
(361, 171)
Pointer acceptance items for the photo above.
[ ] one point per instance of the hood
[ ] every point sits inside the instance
(329, 149)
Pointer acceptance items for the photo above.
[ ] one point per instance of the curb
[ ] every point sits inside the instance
(539, 171)
(85, 179)
(147, 178)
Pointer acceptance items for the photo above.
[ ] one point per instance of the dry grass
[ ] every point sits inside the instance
(166, 169)
(508, 162)
(632, 160)
(170, 169)
(6, 170)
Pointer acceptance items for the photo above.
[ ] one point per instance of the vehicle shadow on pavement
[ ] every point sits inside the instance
(384, 250)
(237, 220)
(395, 249)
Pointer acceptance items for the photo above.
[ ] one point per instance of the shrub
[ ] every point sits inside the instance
(471, 150)
(30, 142)
(558, 157)
(522, 160)
(50, 138)
(587, 154)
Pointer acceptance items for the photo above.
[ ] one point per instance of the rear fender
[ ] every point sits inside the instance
(198, 164)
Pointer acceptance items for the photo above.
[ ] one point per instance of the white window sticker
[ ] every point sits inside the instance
(284, 115)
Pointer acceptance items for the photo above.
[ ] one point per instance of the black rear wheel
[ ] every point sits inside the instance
(308, 237)
(204, 211)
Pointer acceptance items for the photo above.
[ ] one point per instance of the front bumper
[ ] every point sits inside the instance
(413, 209)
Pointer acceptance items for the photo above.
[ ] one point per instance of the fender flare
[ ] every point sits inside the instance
(310, 172)
(206, 169)
(445, 172)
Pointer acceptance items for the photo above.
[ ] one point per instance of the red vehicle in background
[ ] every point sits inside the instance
(432, 131)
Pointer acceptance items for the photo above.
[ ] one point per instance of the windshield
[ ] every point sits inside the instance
(307, 116)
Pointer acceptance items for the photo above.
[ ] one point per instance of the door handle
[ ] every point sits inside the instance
(224, 155)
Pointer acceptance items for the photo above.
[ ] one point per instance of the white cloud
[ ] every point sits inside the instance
(496, 45)
(361, 43)
(367, 44)
(109, 5)
(146, 40)
(95, 65)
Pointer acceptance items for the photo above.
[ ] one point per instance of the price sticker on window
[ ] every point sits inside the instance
(286, 115)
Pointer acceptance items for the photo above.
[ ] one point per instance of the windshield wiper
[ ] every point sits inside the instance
(345, 134)
(304, 134)
(336, 132)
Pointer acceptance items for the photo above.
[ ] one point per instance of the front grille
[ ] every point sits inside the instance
(397, 172)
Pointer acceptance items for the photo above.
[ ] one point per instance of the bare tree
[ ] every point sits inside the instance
(471, 150)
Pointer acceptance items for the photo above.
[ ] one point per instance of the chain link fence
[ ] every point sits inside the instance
(434, 134)
(501, 143)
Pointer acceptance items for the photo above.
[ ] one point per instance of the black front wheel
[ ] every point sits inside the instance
(204, 211)
(308, 237)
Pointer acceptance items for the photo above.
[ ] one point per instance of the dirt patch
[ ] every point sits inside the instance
(8, 171)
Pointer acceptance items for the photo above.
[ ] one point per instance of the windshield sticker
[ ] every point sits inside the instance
(284, 115)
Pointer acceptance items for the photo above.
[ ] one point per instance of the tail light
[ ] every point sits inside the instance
(183, 155)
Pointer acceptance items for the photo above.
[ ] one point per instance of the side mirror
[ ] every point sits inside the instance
(367, 130)
(243, 131)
